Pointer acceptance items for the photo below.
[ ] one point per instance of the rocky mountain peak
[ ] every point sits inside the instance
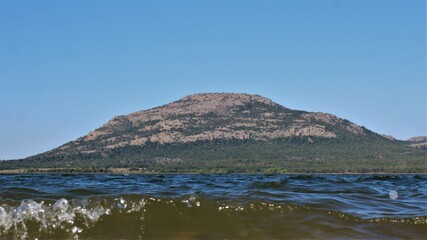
(226, 98)
(200, 104)
(213, 116)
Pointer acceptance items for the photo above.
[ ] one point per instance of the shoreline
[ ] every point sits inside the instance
(119, 171)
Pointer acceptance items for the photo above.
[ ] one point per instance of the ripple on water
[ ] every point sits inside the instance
(84, 192)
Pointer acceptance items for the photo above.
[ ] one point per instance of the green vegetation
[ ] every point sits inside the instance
(288, 155)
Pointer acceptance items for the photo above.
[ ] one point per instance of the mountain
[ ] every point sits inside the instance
(207, 117)
(227, 132)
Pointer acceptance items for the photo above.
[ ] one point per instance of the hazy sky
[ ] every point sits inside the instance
(67, 67)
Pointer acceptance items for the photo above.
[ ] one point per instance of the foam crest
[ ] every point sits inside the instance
(47, 217)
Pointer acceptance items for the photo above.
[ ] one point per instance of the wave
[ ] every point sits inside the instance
(20, 192)
(386, 177)
(84, 192)
(190, 217)
(273, 184)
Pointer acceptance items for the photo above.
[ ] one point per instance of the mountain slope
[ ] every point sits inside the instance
(231, 132)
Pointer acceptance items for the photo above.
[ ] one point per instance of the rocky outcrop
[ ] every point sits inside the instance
(418, 142)
(418, 139)
(389, 137)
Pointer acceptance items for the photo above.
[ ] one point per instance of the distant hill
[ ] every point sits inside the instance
(227, 132)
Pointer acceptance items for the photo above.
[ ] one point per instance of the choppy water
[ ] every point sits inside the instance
(213, 206)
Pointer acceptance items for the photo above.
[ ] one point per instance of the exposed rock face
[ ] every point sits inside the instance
(418, 139)
(389, 137)
(210, 116)
(418, 142)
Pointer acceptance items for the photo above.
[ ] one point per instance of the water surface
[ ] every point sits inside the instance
(212, 206)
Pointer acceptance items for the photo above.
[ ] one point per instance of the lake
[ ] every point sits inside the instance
(192, 206)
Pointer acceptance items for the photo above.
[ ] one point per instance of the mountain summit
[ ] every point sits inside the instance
(230, 132)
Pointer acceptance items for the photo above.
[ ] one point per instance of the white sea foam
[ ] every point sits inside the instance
(69, 216)
(59, 215)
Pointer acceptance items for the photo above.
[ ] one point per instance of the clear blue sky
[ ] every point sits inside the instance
(67, 67)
